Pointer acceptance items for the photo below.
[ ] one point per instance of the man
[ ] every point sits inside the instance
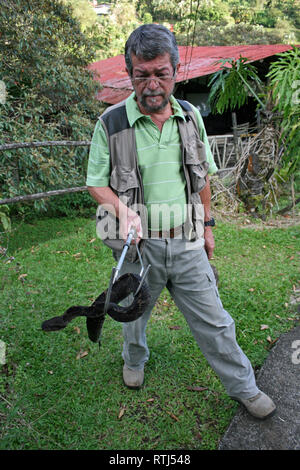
(146, 153)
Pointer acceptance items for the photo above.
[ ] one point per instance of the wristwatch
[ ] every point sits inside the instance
(210, 223)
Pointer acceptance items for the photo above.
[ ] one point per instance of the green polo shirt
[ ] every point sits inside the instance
(159, 160)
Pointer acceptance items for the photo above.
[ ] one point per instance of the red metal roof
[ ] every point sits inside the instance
(195, 62)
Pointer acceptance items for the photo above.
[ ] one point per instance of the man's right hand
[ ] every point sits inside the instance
(129, 220)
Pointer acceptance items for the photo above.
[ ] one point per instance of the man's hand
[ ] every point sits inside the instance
(209, 242)
(128, 220)
(127, 217)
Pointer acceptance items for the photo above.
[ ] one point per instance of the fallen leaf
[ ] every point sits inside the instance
(50, 372)
(81, 354)
(70, 290)
(251, 289)
(121, 412)
(175, 327)
(92, 240)
(197, 389)
(76, 255)
(21, 277)
(63, 252)
(271, 341)
(77, 329)
(173, 416)
(150, 399)
(264, 327)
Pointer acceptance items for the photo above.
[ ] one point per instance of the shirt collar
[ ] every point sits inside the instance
(133, 112)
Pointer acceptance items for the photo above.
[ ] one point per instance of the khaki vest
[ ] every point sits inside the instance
(126, 181)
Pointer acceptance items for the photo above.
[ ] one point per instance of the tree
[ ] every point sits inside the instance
(84, 12)
(115, 28)
(284, 78)
(232, 84)
(50, 95)
(222, 22)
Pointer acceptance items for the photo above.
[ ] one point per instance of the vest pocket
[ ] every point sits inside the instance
(197, 215)
(195, 159)
(125, 184)
(197, 175)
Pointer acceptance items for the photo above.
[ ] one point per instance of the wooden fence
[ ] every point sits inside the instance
(49, 143)
(224, 150)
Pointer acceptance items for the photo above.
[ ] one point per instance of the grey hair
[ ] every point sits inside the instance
(149, 41)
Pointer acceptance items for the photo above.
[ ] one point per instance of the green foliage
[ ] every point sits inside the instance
(115, 28)
(230, 86)
(178, 10)
(228, 34)
(50, 95)
(78, 204)
(4, 218)
(84, 12)
(284, 78)
(228, 22)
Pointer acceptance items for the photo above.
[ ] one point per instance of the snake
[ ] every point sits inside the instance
(95, 315)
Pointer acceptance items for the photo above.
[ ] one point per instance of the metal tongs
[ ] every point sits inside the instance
(116, 270)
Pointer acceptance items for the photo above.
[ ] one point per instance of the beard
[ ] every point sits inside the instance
(152, 108)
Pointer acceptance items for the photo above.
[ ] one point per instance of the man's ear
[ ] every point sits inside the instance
(178, 67)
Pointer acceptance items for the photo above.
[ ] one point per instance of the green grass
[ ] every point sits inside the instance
(53, 399)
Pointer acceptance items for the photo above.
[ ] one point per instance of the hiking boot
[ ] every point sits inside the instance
(260, 406)
(133, 378)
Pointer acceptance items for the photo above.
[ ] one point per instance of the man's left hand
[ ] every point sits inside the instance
(209, 242)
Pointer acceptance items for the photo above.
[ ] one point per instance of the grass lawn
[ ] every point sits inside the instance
(60, 391)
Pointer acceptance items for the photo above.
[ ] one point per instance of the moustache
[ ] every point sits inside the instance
(153, 93)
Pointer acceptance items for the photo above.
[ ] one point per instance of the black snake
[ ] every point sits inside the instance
(95, 316)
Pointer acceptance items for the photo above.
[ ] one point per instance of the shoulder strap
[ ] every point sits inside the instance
(115, 118)
(185, 105)
(189, 129)
(120, 135)
(189, 115)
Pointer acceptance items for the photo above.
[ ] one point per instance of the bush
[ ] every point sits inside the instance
(50, 95)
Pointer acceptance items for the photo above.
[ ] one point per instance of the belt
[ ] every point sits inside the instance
(171, 233)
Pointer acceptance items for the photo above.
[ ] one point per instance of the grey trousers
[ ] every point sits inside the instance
(184, 269)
